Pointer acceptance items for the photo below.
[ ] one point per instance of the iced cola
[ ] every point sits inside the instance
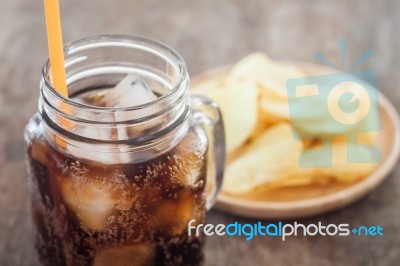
(118, 168)
(89, 212)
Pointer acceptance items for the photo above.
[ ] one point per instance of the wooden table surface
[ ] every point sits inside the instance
(207, 34)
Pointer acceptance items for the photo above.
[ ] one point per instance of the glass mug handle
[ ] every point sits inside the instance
(207, 113)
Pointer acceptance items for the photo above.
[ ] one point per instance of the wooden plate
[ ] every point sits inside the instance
(293, 203)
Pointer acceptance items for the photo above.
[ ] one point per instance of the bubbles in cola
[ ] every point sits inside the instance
(139, 254)
(93, 198)
(91, 209)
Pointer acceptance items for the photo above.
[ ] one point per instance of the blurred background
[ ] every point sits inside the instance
(207, 34)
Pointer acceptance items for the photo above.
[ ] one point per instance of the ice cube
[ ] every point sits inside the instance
(188, 161)
(81, 101)
(173, 215)
(127, 255)
(84, 150)
(91, 205)
(94, 199)
(131, 91)
(94, 131)
(39, 151)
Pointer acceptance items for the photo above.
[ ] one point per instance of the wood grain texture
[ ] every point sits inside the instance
(207, 34)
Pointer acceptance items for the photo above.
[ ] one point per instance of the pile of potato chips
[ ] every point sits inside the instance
(263, 146)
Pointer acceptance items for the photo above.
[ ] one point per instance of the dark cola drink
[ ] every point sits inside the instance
(118, 169)
(89, 213)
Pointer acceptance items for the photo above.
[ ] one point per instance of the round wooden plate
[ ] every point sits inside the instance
(294, 203)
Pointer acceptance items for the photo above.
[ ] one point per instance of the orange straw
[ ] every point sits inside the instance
(54, 38)
(56, 52)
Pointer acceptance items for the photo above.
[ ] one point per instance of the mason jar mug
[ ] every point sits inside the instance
(119, 168)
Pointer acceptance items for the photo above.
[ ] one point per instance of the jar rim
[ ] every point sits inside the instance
(120, 39)
(89, 59)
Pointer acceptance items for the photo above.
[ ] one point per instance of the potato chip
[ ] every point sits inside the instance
(263, 150)
(270, 76)
(275, 111)
(262, 124)
(238, 103)
(267, 159)
(367, 138)
(344, 169)
(341, 170)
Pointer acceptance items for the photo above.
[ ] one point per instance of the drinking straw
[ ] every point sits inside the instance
(56, 53)
(55, 43)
